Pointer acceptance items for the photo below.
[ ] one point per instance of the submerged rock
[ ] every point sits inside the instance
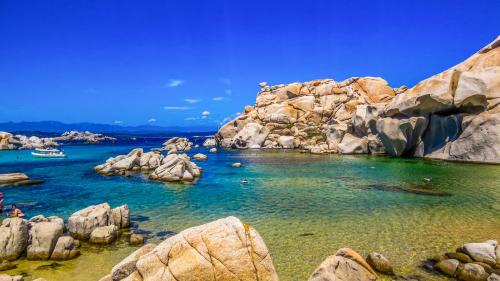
(225, 248)
(379, 263)
(136, 239)
(448, 267)
(345, 265)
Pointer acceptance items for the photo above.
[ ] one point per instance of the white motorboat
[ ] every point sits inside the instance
(48, 153)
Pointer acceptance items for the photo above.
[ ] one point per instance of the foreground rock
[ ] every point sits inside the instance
(6, 277)
(453, 115)
(176, 167)
(82, 223)
(222, 250)
(83, 137)
(345, 265)
(17, 179)
(14, 234)
(43, 236)
(66, 248)
(471, 262)
(135, 160)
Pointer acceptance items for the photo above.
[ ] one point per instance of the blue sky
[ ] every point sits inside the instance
(189, 63)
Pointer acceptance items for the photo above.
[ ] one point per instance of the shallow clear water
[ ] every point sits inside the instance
(305, 206)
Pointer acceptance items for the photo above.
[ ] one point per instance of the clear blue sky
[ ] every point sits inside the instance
(133, 62)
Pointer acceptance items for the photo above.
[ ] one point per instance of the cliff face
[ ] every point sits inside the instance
(453, 115)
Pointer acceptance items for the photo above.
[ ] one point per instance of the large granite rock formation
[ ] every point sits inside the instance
(43, 236)
(11, 142)
(176, 167)
(14, 234)
(83, 137)
(453, 115)
(345, 265)
(177, 144)
(222, 250)
(135, 160)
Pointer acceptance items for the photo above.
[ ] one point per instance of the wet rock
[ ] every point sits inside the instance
(345, 265)
(136, 239)
(463, 258)
(448, 267)
(121, 216)
(6, 265)
(481, 252)
(127, 266)
(225, 248)
(66, 248)
(379, 263)
(104, 235)
(471, 272)
(14, 235)
(200, 156)
(43, 236)
(83, 222)
(236, 165)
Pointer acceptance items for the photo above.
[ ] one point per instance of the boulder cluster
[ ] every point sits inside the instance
(453, 115)
(83, 137)
(173, 167)
(11, 142)
(176, 144)
(44, 238)
(471, 262)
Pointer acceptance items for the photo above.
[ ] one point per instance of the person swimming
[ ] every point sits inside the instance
(244, 181)
(16, 212)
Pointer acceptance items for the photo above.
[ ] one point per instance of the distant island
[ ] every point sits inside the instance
(59, 127)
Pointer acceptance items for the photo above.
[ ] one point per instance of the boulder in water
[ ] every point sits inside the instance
(43, 236)
(104, 234)
(83, 222)
(66, 248)
(345, 265)
(176, 167)
(379, 263)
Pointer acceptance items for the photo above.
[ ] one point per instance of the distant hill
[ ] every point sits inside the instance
(59, 127)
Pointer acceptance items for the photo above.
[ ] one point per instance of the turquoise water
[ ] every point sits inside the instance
(305, 206)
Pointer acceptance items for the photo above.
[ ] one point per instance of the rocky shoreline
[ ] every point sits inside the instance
(453, 115)
(9, 141)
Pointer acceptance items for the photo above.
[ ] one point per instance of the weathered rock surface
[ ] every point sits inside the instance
(83, 222)
(177, 144)
(481, 252)
(6, 277)
(472, 272)
(453, 115)
(135, 160)
(176, 167)
(127, 266)
(14, 235)
(43, 236)
(83, 137)
(225, 249)
(66, 248)
(121, 216)
(345, 265)
(104, 234)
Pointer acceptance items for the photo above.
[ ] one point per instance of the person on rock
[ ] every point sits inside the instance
(16, 212)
